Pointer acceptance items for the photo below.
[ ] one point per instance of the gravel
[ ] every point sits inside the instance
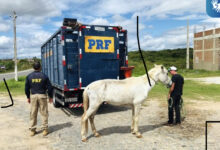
(113, 123)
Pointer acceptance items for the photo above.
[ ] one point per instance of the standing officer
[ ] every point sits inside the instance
(37, 83)
(174, 95)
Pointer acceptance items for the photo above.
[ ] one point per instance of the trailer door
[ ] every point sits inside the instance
(99, 54)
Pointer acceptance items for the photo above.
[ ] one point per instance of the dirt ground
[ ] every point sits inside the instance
(113, 123)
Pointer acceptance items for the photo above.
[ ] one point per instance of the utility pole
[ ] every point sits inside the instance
(187, 51)
(15, 45)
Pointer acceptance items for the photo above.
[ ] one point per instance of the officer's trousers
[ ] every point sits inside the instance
(176, 106)
(39, 101)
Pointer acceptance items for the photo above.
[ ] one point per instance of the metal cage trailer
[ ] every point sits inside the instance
(79, 54)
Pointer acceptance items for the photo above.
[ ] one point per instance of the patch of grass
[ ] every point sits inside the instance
(16, 87)
(199, 91)
(198, 73)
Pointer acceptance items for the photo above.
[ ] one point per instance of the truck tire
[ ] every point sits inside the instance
(55, 103)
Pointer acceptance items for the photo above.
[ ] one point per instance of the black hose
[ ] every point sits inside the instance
(12, 102)
(145, 66)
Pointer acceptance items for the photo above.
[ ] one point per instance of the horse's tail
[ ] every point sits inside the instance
(85, 100)
(85, 107)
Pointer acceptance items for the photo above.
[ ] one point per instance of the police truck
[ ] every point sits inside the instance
(78, 54)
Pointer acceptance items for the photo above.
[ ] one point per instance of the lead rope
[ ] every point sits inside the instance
(145, 66)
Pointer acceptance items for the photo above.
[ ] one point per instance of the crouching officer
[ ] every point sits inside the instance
(37, 83)
(174, 96)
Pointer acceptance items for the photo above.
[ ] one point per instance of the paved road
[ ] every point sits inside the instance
(11, 75)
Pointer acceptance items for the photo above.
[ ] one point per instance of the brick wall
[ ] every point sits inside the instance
(208, 44)
(207, 57)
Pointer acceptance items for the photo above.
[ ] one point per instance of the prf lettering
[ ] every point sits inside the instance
(99, 44)
(36, 80)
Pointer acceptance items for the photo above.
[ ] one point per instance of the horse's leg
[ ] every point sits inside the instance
(132, 124)
(136, 115)
(91, 119)
(84, 122)
(84, 127)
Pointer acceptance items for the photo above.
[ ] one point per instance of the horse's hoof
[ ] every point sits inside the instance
(84, 139)
(139, 135)
(97, 134)
(132, 131)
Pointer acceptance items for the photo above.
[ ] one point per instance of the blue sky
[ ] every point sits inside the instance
(162, 22)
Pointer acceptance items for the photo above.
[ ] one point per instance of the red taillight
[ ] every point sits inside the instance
(65, 88)
(62, 37)
(123, 30)
(63, 27)
(64, 63)
(115, 28)
(80, 53)
(80, 83)
(117, 54)
(82, 27)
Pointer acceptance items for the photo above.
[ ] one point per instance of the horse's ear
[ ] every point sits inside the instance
(155, 65)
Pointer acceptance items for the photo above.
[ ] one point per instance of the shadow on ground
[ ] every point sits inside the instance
(61, 126)
(106, 108)
(126, 129)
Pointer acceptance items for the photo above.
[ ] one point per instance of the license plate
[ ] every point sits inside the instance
(71, 99)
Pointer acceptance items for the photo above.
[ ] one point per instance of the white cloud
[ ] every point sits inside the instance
(175, 38)
(5, 24)
(31, 7)
(211, 22)
(6, 47)
(127, 23)
(5, 42)
(162, 9)
(30, 37)
(191, 17)
(148, 8)
(100, 21)
(57, 23)
(4, 27)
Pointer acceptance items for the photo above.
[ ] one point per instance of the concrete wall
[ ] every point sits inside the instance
(207, 50)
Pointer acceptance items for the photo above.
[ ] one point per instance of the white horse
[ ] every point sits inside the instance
(131, 91)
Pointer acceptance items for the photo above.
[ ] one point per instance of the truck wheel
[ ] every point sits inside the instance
(55, 103)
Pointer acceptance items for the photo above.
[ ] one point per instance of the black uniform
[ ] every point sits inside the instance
(38, 83)
(176, 96)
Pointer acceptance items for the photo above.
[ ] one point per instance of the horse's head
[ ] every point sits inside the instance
(160, 73)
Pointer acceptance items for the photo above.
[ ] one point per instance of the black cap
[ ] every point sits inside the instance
(36, 65)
